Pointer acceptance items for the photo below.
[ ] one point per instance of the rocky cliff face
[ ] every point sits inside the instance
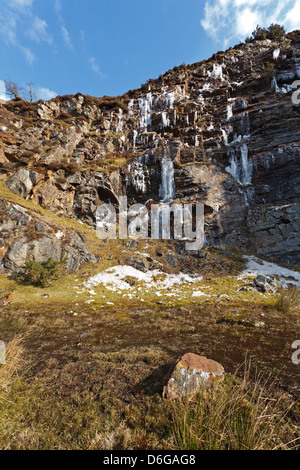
(223, 132)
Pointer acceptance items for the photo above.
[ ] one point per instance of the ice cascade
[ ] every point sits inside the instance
(167, 188)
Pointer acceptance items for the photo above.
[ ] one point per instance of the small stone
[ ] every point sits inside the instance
(171, 260)
(242, 319)
(6, 300)
(132, 244)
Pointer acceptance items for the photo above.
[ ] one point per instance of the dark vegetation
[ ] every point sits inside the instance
(273, 32)
(42, 273)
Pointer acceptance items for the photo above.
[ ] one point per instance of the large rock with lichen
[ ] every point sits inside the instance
(190, 374)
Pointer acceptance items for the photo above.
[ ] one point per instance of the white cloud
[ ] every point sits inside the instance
(66, 36)
(38, 31)
(20, 26)
(63, 29)
(215, 18)
(8, 27)
(57, 6)
(3, 95)
(28, 54)
(293, 16)
(228, 21)
(246, 21)
(14, 15)
(95, 67)
(17, 4)
(45, 93)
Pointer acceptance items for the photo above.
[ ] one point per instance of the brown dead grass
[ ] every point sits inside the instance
(93, 380)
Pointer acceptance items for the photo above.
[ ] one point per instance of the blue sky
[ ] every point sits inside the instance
(101, 47)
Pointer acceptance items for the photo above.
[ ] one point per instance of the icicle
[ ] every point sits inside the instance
(276, 54)
(217, 72)
(297, 66)
(274, 85)
(136, 176)
(120, 121)
(165, 119)
(229, 112)
(170, 99)
(245, 125)
(130, 107)
(135, 134)
(167, 188)
(241, 166)
(233, 168)
(145, 104)
(225, 136)
(247, 166)
(241, 170)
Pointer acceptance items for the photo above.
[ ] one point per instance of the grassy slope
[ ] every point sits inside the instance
(91, 374)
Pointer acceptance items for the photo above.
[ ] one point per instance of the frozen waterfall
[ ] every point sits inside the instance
(136, 176)
(241, 167)
(167, 188)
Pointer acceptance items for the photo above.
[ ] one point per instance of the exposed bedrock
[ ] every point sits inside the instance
(224, 132)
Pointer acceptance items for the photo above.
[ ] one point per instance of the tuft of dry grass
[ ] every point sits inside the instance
(288, 299)
(9, 370)
(238, 415)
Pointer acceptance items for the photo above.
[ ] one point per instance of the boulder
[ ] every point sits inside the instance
(22, 182)
(137, 263)
(268, 284)
(190, 374)
(30, 238)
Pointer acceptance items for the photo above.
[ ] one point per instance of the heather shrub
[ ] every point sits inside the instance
(42, 273)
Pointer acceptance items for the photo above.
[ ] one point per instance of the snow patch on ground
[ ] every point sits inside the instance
(198, 294)
(59, 235)
(114, 278)
(256, 266)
